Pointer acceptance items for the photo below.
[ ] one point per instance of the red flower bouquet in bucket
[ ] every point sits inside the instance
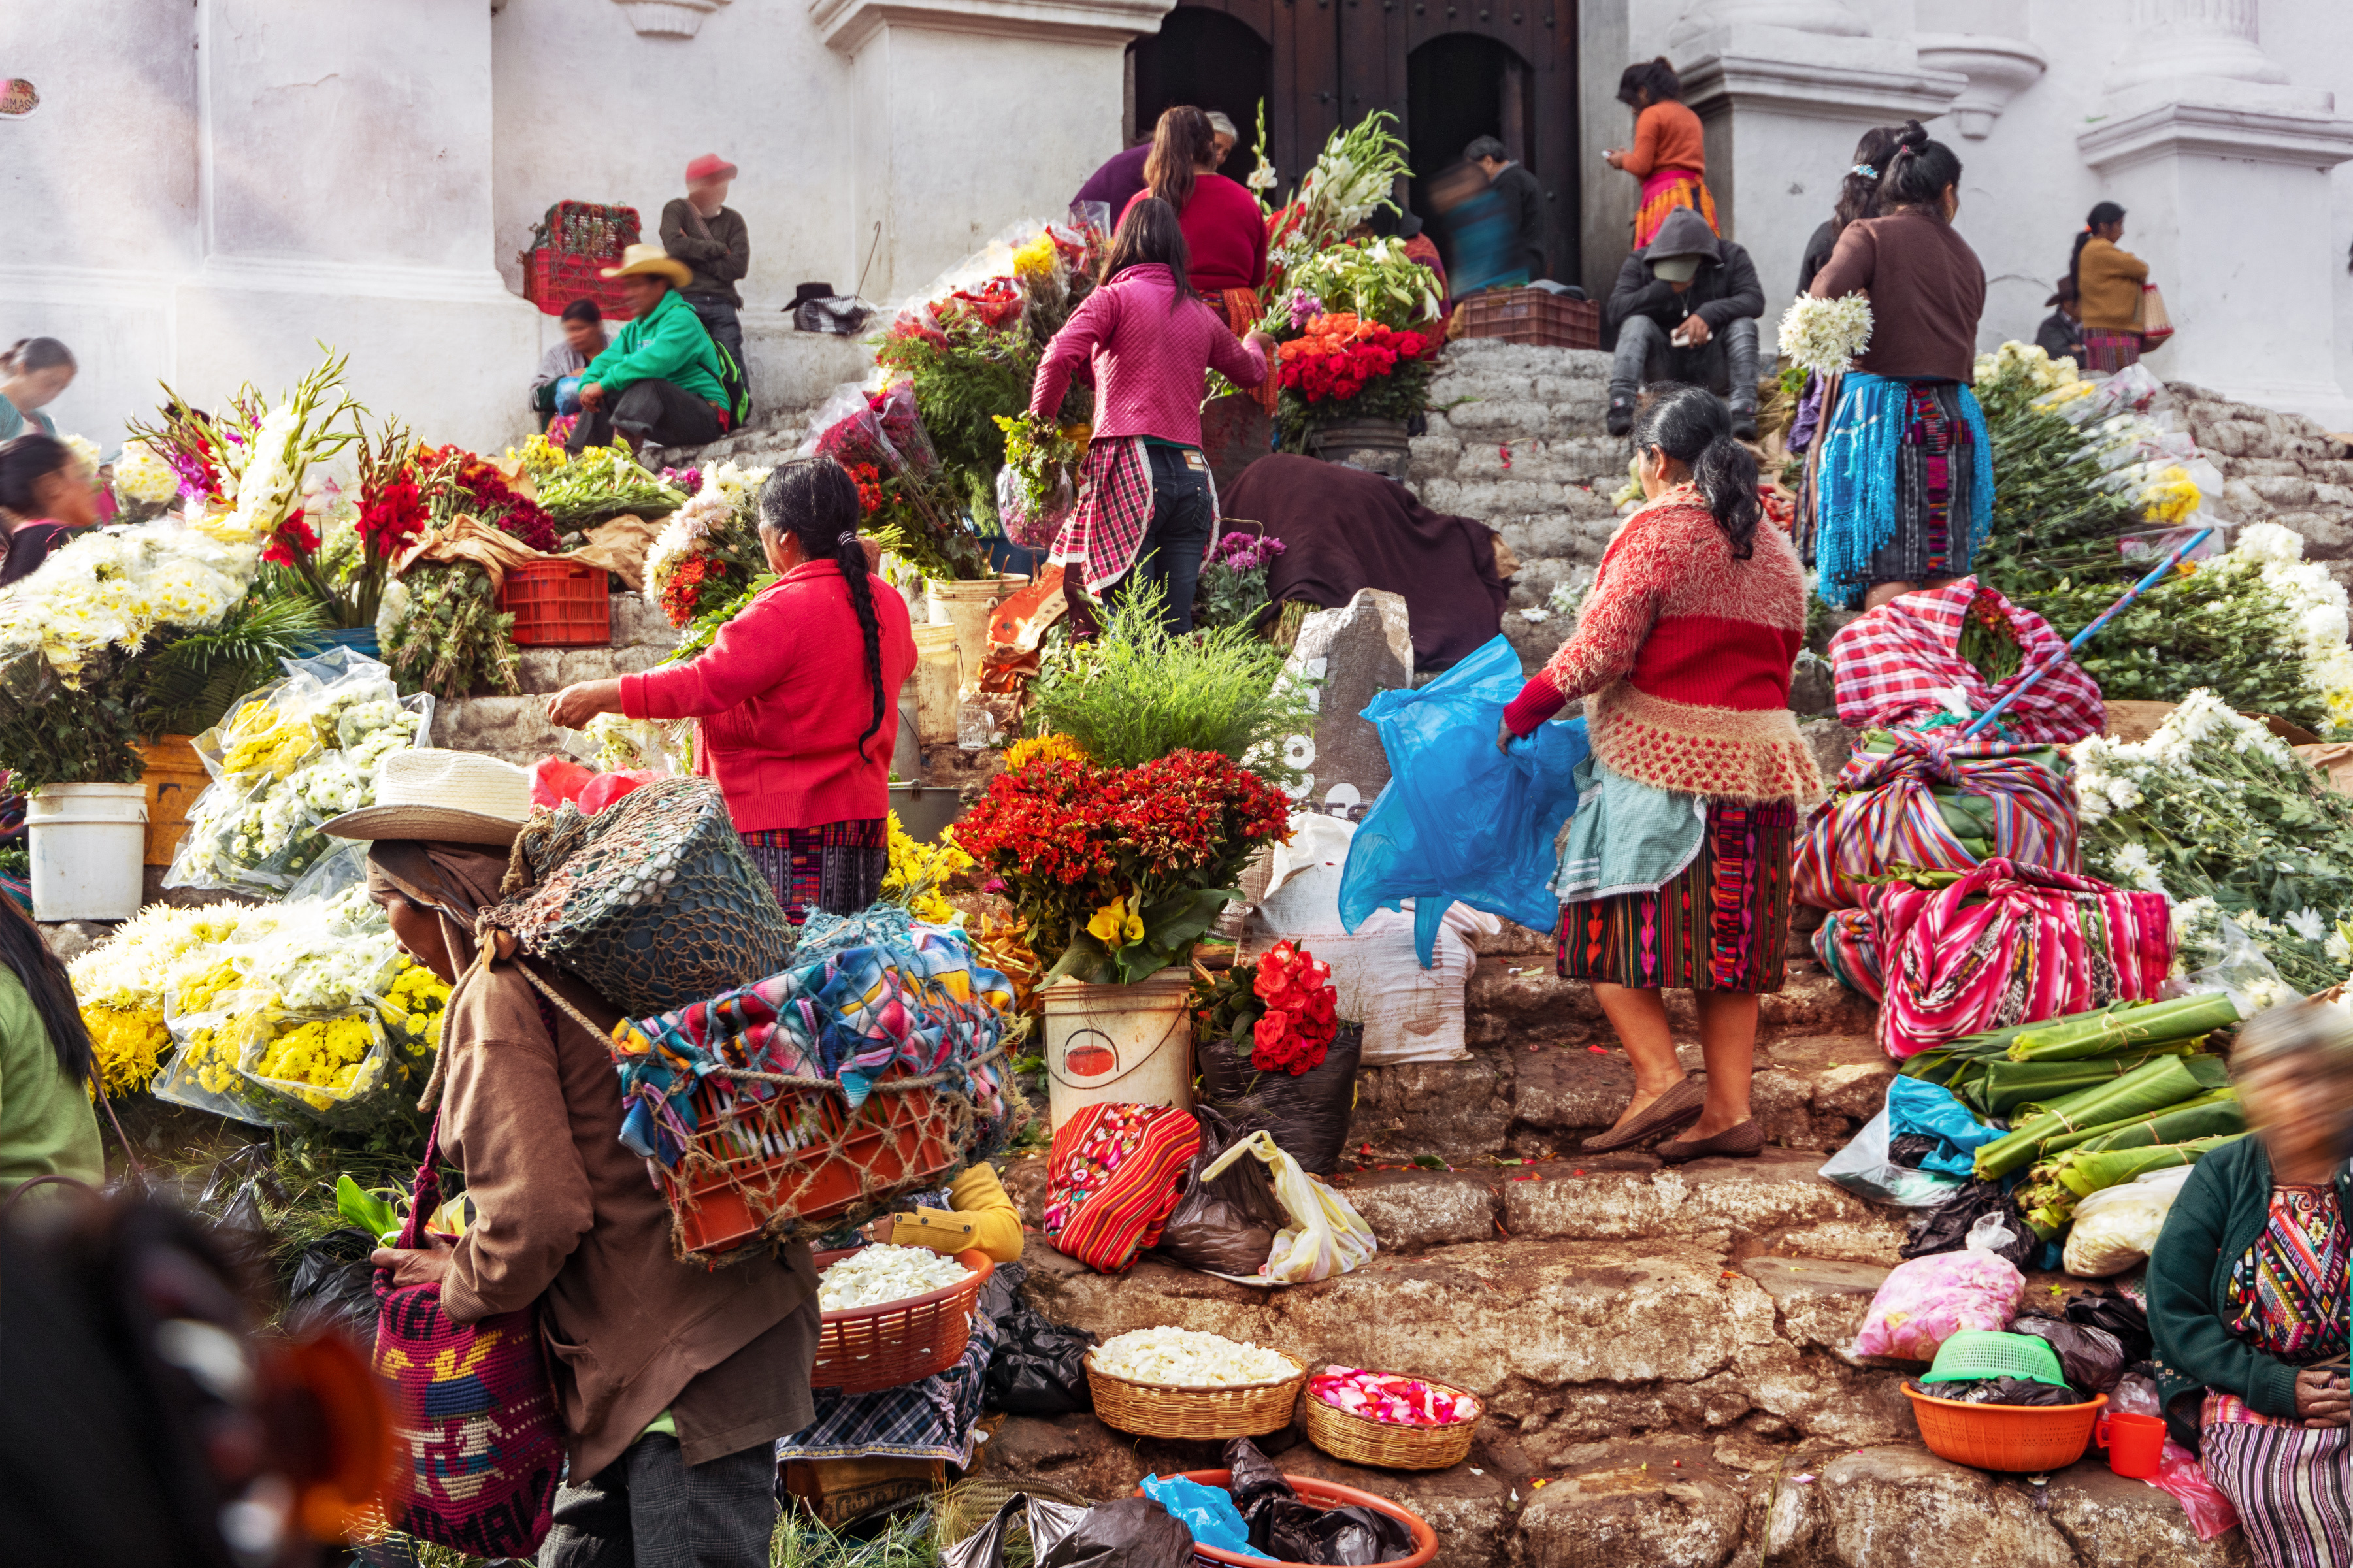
(1346, 368)
(1273, 1054)
(1302, 1011)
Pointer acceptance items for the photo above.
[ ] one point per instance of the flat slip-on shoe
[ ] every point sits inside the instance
(1672, 1110)
(1744, 1140)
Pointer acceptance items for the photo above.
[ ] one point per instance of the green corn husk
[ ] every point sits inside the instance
(2210, 1113)
(2048, 1198)
(2156, 1023)
(2152, 1087)
(1994, 1043)
(2000, 1086)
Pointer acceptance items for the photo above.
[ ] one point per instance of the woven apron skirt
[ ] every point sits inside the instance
(1720, 924)
(2106, 353)
(836, 867)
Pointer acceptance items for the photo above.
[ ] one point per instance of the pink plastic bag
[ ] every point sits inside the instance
(604, 789)
(554, 780)
(1927, 1300)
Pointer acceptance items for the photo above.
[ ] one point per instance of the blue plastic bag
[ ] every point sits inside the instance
(1915, 1105)
(1207, 1512)
(1459, 819)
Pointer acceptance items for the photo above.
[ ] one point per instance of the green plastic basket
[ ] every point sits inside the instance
(1974, 1353)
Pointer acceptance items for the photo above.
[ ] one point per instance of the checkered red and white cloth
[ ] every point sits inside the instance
(1106, 529)
(1900, 666)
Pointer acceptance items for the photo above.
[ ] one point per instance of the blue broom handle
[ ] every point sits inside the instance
(2110, 614)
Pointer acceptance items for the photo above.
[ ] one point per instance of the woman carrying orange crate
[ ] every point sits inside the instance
(673, 1381)
(798, 699)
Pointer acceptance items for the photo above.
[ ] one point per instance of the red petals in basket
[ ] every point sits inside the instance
(1388, 1397)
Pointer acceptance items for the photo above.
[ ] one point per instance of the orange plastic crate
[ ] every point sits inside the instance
(803, 1154)
(558, 603)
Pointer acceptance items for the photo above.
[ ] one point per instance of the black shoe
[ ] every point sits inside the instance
(1622, 415)
(1744, 424)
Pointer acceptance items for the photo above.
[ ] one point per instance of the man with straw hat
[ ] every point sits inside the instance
(673, 1380)
(663, 381)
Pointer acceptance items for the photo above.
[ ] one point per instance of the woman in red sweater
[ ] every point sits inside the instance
(1225, 232)
(1148, 341)
(798, 699)
(1669, 154)
(1675, 868)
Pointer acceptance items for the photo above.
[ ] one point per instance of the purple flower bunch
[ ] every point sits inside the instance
(1239, 551)
(1301, 308)
(687, 481)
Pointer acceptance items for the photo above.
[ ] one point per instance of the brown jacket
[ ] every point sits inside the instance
(2108, 286)
(717, 249)
(1926, 287)
(566, 1217)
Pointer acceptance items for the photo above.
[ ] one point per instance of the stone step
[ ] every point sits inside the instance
(1672, 1501)
(516, 727)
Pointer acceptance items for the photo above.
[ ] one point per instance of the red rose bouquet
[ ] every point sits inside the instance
(1346, 368)
(1283, 1010)
(1117, 871)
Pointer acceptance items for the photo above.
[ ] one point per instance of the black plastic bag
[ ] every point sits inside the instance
(1945, 1228)
(1308, 1114)
(1226, 1226)
(1038, 1367)
(2003, 1390)
(1048, 1522)
(1909, 1149)
(1294, 1531)
(2090, 1356)
(231, 1204)
(2113, 1311)
(1134, 1533)
(335, 1287)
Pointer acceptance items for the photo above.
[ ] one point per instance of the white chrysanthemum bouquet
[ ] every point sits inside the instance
(1826, 336)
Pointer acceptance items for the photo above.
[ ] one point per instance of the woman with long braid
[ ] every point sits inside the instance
(798, 699)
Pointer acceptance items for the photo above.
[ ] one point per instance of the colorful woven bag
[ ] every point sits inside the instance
(473, 1413)
(1112, 1178)
(2010, 945)
(1927, 801)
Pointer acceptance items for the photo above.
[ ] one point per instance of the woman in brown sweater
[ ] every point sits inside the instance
(1903, 480)
(2109, 280)
(674, 1381)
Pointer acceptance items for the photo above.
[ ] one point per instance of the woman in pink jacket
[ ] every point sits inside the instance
(1146, 504)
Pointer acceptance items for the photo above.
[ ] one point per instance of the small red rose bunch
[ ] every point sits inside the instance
(1302, 1011)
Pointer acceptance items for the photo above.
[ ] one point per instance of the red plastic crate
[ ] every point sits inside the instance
(828, 1158)
(1537, 316)
(570, 248)
(558, 603)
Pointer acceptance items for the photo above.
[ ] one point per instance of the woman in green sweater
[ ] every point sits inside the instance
(2248, 1298)
(46, 1125)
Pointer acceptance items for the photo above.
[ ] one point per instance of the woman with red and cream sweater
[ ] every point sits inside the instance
(1675, 869)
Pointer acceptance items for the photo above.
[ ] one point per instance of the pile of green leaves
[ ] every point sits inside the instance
(2050, 521)
(602, 482)
(454, 639)
(1135, 693)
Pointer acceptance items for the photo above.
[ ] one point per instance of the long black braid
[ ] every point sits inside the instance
(815, 501)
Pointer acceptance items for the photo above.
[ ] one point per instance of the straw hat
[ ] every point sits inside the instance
(456, 797)
(651, 258)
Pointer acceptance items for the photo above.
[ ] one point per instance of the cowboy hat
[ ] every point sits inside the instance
(452, 797)
(651, 258)
(710, 166)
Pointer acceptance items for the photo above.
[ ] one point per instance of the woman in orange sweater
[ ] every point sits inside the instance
(1669, 154)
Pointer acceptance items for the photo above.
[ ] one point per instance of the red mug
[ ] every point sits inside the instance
(2134, 1443)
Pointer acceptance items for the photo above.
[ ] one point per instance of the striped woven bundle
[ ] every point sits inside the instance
(1844, 946)
(1933, 803)
(2010, 945)
(1112, 1177)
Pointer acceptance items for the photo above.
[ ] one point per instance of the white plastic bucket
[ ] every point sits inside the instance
(88, 850)
(1127, 1043)
(966, 606)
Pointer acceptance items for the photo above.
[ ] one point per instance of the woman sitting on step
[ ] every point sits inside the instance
(2247, 1291)
(1675, 869)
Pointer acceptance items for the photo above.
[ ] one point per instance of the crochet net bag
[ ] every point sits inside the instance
(651, 900)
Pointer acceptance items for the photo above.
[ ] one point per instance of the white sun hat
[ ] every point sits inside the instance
(457, 797)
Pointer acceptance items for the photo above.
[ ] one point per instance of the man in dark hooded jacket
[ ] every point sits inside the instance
(1686, 307)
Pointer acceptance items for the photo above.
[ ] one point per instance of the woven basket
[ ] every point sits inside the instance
(863, 1350)
(1163, 1410)
(1360, 1440)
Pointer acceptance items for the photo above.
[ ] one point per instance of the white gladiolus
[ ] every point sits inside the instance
(1188, 1358)
(874, 1275)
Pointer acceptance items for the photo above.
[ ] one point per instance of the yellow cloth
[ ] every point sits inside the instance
(2107, 285)
(976, 1195)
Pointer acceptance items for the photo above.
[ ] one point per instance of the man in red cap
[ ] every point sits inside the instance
(700, 229)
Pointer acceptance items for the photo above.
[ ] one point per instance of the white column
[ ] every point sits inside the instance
(2213, 153)
(967, 109)
(344, 194)
(1784, 89)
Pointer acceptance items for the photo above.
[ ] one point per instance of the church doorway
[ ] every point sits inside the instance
(1207, 58)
